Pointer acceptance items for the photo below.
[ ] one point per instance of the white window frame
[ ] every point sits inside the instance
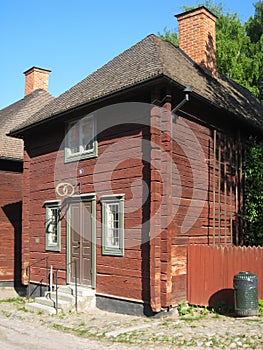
(82, 153)
(49, 226)
(112, 233)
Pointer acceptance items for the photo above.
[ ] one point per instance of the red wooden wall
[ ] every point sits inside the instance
(211, 271)
(10, 225)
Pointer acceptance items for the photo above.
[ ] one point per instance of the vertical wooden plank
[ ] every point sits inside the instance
(190, 257)
(214, 187)
(212, 268)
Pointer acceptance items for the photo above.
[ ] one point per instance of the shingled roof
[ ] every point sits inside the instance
(151, 58)
(14, 115)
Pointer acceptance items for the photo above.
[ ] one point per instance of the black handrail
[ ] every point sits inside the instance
(28, 273)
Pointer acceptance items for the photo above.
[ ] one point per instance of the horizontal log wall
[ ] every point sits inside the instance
(204, 212)
(10, 225)
(120, 169)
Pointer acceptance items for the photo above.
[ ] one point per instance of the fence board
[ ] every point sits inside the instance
(211, 270)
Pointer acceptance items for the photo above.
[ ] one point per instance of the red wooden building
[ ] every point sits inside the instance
(129, 166)
(11, 168)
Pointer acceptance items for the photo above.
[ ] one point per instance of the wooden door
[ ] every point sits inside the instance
(80, 242)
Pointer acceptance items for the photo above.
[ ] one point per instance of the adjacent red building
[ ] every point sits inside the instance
(11, 169)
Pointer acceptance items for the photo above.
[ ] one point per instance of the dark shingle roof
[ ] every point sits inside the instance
(150, 58)
(14, 115)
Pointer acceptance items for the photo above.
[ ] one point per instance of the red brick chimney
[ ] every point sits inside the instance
(36, 78)
(197, 37)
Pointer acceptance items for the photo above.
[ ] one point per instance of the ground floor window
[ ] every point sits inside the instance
(52, 225)
(113, 225)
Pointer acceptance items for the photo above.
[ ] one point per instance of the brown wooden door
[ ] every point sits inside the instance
(80, 242)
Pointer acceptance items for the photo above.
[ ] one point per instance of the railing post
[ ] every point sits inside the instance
(51, 278)
(28, 288)
(28, 272)
(76, 287)
(56, 291)
(47, 271)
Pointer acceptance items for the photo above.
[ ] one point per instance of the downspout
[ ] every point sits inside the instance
(186, 99)
(187, 91)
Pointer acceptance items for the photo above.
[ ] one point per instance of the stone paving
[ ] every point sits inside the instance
(197, 329)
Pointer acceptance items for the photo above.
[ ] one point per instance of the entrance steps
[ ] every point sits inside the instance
(66, 300)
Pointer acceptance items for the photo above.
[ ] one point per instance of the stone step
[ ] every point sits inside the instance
(66, 300)
(62, 304)
(81, 291)
(36, 307)
(61, 296)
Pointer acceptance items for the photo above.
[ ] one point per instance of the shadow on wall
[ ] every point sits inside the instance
(14, 214)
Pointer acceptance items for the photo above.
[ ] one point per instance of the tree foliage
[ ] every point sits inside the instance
(253, 173)
(254, 29)
(169, 35)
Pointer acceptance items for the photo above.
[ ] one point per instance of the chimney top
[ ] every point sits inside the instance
(197, 37)
(201, 8)
(36, 78)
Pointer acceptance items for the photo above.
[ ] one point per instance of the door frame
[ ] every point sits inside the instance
(86, 197)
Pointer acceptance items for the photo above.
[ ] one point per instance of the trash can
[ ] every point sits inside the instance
(246, 294)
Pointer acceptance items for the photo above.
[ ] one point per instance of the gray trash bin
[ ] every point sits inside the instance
(246, 294)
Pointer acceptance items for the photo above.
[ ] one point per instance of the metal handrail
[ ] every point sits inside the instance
(28, 273)
(75, 282)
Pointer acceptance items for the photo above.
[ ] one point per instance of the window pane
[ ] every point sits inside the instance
(80, 141)
(52, 226)
(113, 225)
(87, 134)
(112, 222)
(73, 139)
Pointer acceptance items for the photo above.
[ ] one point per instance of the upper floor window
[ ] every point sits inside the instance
(81, 139)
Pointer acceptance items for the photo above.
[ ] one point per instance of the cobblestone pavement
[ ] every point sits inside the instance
(98, 329)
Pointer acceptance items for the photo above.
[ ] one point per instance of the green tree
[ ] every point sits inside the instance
(169, 35)
(254, 25)
(254, 29)
(253, 173)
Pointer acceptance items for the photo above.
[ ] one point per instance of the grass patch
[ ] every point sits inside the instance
(260, 307)
(16, 300)
(60, 327)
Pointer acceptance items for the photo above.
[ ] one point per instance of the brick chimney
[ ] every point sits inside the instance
(36, 78)
(197, 37)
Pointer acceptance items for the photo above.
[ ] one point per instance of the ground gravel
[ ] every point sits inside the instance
(98, 329)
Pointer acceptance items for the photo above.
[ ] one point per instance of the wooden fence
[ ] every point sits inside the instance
(211, 271)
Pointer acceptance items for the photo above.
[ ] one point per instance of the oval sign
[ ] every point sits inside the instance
(65, 189)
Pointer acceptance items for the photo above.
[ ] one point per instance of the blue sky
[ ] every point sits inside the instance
(72, 38)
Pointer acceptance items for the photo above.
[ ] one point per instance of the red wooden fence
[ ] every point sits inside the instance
(211, 270)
